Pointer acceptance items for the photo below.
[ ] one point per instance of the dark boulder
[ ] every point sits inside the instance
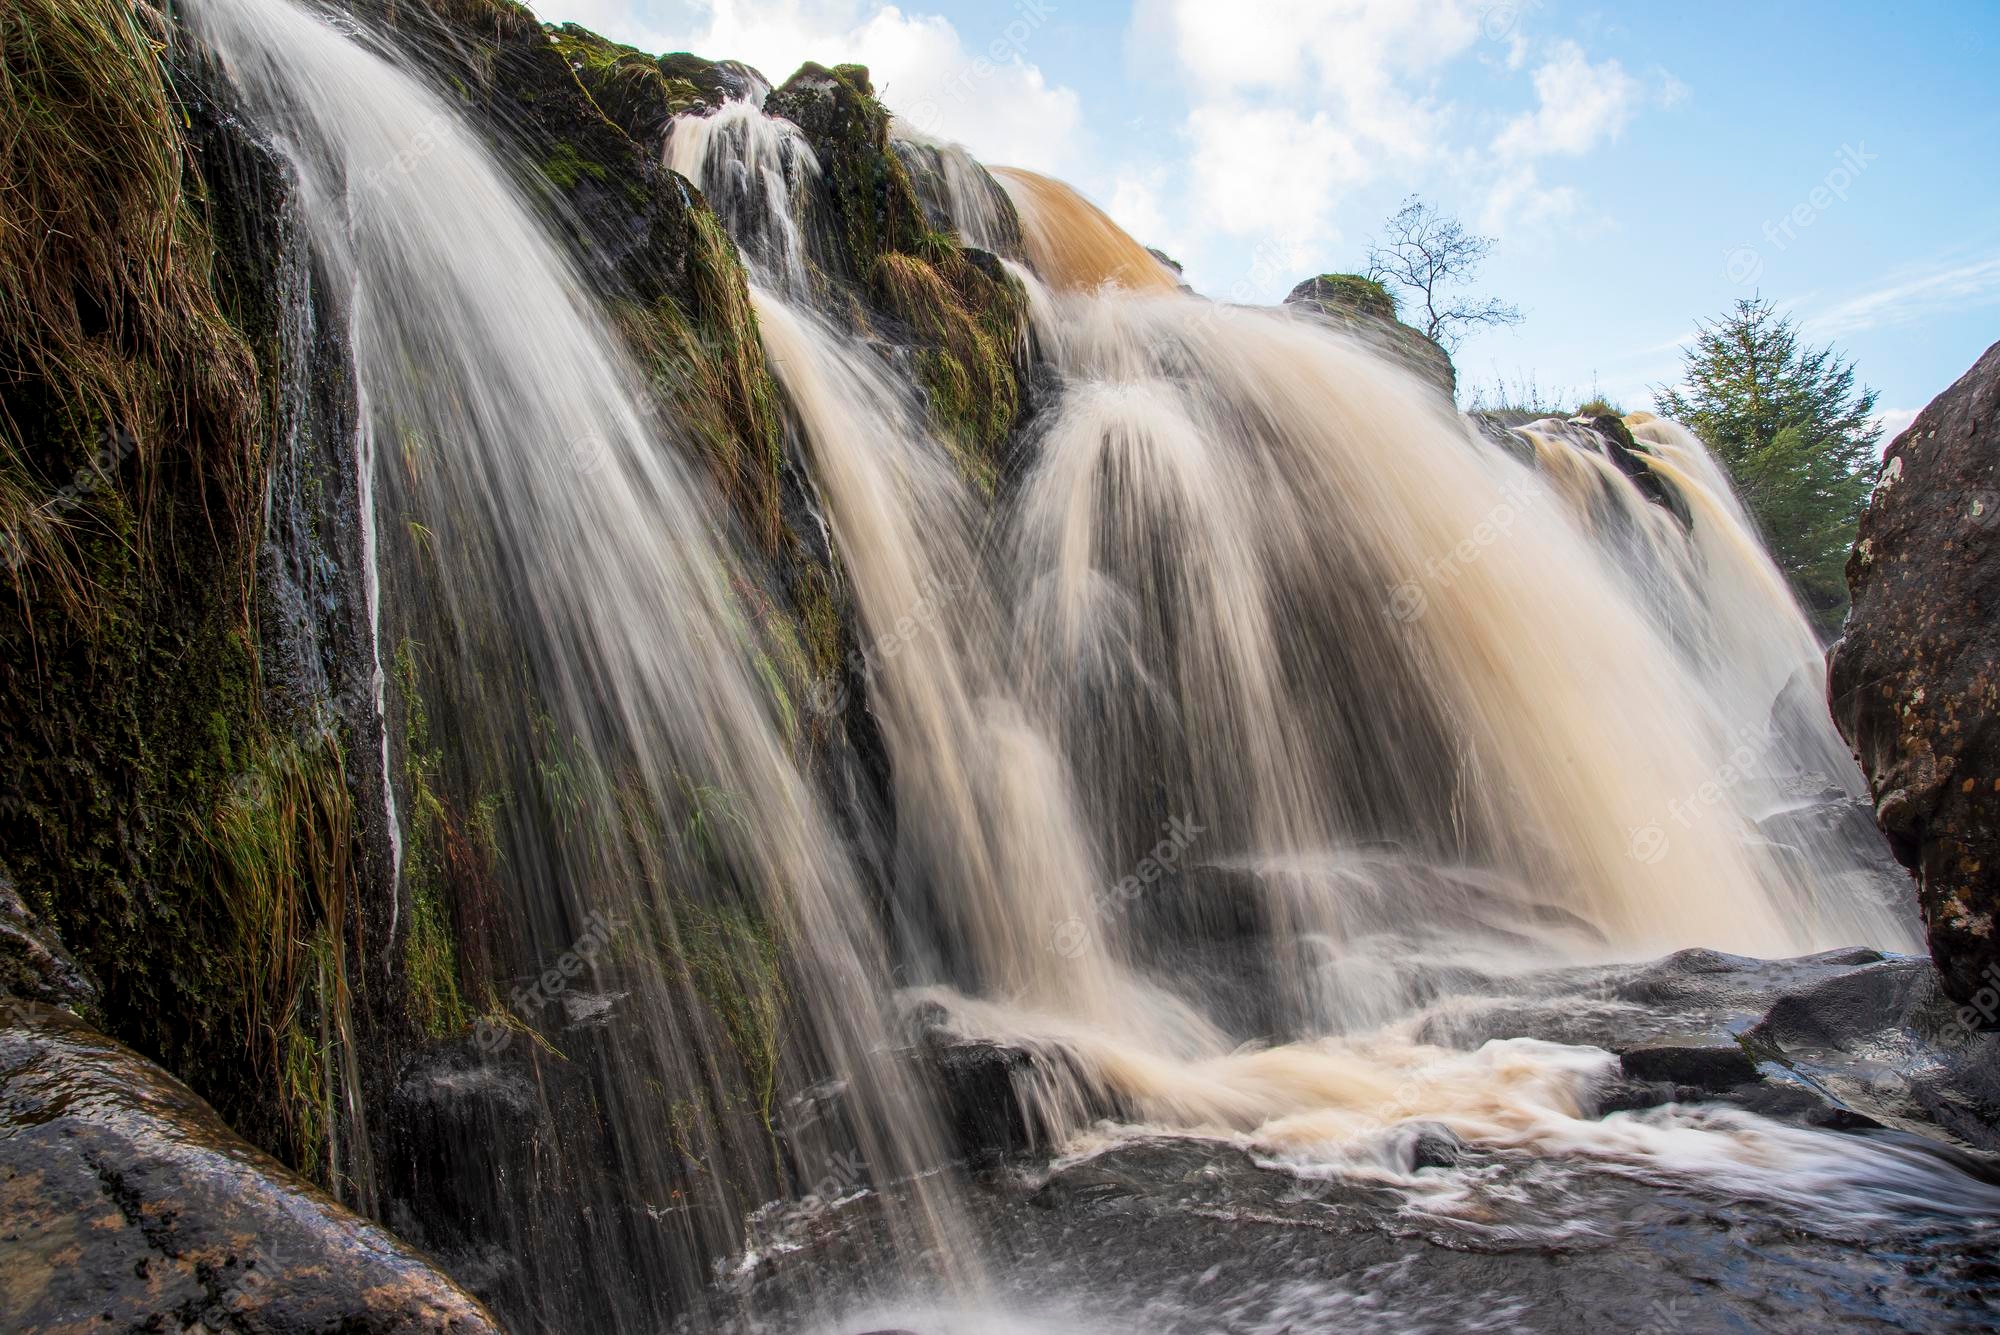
(1915, 679)
(1364, 308)
(127, 1204)
(1707, 1062)
(1634, 460)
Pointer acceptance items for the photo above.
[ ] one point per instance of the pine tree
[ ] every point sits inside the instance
(1796, 436)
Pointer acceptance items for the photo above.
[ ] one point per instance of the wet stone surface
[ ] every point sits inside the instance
(127, 1205)
(1775, 1151)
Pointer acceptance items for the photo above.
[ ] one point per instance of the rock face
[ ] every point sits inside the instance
(1359, 306)
(1915, 680)
(127, 1204)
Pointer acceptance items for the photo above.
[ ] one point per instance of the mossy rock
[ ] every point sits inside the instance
(967, 313)
(1345, 291)
(871, 199)
(1365, 308)
(714, 81)
(632, 88)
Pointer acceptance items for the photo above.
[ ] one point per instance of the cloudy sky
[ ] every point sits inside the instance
(1642, 165)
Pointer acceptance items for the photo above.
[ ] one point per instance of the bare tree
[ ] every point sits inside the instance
(1428, 252)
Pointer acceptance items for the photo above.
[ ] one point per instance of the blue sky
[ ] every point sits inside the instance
(1642, 165)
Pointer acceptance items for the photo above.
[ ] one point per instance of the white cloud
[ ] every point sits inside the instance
(1519, 203)
(1137, 204)
(1579, 105)
(1269, 169)
(1913, 295)
(1282, 44)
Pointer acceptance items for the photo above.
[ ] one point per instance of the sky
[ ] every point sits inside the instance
(1641, 166)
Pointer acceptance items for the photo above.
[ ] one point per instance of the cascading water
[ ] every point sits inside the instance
(1272, 629)
(1274, 705)
(958, 194)
(759, 171)
(554, 592)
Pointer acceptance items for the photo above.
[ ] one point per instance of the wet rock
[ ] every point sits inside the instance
(1850, 1008)
(1915, 679)
(1708, 1062)
(1364, 308)
(1435, 1146)
(717, 81)
(33, 964)
(869, 197)
(633, 89)
(127, 1204)
(543, 1229)
(1634, 461)
(983, 1104)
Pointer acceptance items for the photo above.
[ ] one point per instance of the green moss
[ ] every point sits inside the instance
(707, 362)
(1353, 292)
(629, 86)
(131, 477)
(970, 316)
(732, 959)
(875, 206)
(565, 167)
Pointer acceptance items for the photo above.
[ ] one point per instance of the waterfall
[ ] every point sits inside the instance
(1070, 242)
(759, 172)
(557, 586)
(1271, 699)
(1271, 627)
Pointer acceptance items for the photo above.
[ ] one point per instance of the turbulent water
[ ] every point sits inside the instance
(1271, 702)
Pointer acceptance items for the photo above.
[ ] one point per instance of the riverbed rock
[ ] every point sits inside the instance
(127, 1204)
(1915, 679)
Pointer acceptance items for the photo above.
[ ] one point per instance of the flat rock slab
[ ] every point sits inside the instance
(126, 1204)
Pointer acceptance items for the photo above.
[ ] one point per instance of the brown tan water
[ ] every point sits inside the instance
(1072, 244)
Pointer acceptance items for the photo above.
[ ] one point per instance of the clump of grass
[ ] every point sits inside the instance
(971, 319)
(282, 844)
(732, 959)
(109, 325)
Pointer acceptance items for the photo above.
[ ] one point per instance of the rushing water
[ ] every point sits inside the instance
(551, 562)
(1272, 702)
